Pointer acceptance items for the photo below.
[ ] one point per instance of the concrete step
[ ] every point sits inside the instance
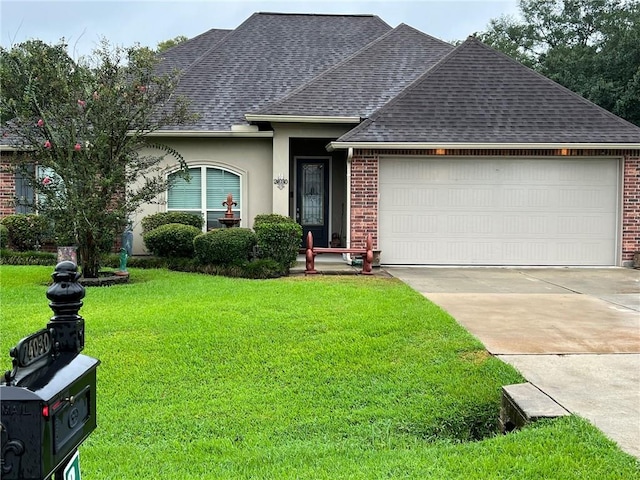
(523, 403)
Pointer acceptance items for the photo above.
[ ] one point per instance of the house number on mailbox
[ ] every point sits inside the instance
(32, 348)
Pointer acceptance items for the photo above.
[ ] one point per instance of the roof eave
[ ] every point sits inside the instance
(174, 134)
(337, 145)
(250, 117)
(210, 133)
(12, 148)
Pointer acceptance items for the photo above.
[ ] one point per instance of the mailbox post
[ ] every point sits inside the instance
(48, 399)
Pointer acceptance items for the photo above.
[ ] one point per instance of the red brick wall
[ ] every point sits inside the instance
(364, 199)
(7, 188)
(631, 209)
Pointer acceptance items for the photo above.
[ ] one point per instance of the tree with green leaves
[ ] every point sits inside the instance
(591, 47)
(84, 124)
(172, 42)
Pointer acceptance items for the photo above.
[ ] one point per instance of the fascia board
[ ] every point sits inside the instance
(10, 148)
(478, 146)
(209, 133)
(300, 119)
(174, 133)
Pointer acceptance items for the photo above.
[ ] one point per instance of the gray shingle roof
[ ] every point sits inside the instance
(368, 79)
(185, 54)
(478, 95)
(265, 58)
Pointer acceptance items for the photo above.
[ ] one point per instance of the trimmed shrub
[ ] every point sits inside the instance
(4, 236)
(25, 231)
(11, 257)
(171, 240)
(279, 241)
(271, 218)
(152, 222)
(112, 260)
(256, 269)
(182, 264)
(225, 246)
(262, 268)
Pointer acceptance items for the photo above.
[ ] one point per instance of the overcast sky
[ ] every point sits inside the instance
(83, 23)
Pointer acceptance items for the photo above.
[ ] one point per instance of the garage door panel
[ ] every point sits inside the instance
(530, 226)
(413, 197)
(414, 225)
(498, 211)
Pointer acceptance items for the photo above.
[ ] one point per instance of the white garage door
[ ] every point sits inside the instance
(504, 211)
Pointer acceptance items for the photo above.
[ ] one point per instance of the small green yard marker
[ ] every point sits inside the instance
(72, 470)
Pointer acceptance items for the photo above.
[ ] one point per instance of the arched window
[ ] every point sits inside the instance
(204, 193)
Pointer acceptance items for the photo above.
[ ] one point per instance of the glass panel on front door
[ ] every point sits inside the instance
(312, 208)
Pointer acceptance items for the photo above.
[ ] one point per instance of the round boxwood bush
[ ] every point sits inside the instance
(225, 246)
(171, 240)
(271, 218)
(279, 241)
(26, 231)
(152, 222)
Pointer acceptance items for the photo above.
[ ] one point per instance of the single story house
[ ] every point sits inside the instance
(446, 155)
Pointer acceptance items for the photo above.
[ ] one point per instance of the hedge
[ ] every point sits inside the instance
(11, 257)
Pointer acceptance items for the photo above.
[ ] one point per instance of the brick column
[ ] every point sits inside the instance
(631, 209)
(364, 198)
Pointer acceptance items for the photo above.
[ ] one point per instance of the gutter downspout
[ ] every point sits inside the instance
(349, 158)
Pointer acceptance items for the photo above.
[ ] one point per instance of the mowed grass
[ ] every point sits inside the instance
(325, 377)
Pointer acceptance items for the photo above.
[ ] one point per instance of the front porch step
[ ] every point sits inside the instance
(523, 403)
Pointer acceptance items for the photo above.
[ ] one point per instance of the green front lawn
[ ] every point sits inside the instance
(326, 377)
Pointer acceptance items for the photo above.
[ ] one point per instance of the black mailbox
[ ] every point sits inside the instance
(48, 400)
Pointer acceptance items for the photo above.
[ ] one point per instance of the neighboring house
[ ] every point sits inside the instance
(446, 155)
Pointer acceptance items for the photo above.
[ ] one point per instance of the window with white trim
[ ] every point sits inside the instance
(204, 193)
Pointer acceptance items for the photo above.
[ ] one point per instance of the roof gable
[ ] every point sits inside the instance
(478, 95)
(265, 58)
(368, 79)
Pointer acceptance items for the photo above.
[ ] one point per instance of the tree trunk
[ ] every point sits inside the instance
(89, 256)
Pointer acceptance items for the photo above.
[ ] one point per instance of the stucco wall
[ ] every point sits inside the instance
(251, 158)
(283, 133)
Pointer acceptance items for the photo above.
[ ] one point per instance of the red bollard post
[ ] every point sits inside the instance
(367, 262)
(309, 256)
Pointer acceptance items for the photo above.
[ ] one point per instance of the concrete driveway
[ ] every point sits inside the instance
(572, 332)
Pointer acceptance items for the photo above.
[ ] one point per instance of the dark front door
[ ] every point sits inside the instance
(312, 207)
